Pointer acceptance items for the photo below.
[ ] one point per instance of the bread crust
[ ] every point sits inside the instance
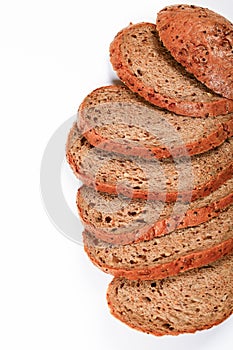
(201, 40)
(172, 268)
(193, 217)
(211, 140)
(188, 108)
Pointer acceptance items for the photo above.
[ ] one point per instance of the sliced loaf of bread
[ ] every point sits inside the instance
(116, 119)
(119, 220)
(191, 301)
(202, 41)
(147, 68)
(167, 180)
(167, 255)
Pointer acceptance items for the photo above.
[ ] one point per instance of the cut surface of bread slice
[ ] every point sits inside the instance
(191, 301)
(167, 180)
(147, 68)
(116, 119)
(166, 255)
(202, 41)
(119, 220)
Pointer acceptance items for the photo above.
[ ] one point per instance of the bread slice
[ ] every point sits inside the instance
(167, 180)
(166, 255)
(202, 41)
(119, 220)
(116, 119)
(146, 67)
(191, 301)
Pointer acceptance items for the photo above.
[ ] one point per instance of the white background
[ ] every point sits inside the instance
(52, 53)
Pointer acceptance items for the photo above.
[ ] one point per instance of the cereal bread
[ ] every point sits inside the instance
(202, 41)
(191, 301)
(167, 255)
(118, 220)
(167, 180)
(116, 119)
(147, 68)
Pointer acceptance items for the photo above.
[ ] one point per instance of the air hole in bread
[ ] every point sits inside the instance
(147, 299)
(108, 219)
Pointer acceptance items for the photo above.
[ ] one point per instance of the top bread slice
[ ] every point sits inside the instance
(116, 119)
(147, 68)
(202, 41)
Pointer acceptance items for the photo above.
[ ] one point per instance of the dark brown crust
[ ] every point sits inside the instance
(199, 192)
(194, 109)
(168, 332)
(193, 217)
(201, 40)
(182, 264)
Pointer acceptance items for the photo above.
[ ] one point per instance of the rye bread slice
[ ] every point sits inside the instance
(116, 119)
(119, 220)
(167, 255)
(147, 68)
(191, 301)
(202, 41)
(184, 179)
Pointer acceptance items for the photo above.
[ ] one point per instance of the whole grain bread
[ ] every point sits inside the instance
(147, 68)
(191, 301)
(116, 119)
(119, 220)
(167, 255)
(202, 41)
(185, 179)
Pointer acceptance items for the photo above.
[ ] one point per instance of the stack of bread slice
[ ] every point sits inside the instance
(155, 155)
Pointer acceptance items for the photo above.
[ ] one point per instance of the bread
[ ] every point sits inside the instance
(135, 177)
(191, 301)
(115, 119)
(148, 69)
(119, 220)
(202, 41)
(157, 196)
(167, 255)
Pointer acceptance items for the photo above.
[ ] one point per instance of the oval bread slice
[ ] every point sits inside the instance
(119, 220)
(191, 301)
(147, 68)
(167, 255)
(167, 180)
(115, 119)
